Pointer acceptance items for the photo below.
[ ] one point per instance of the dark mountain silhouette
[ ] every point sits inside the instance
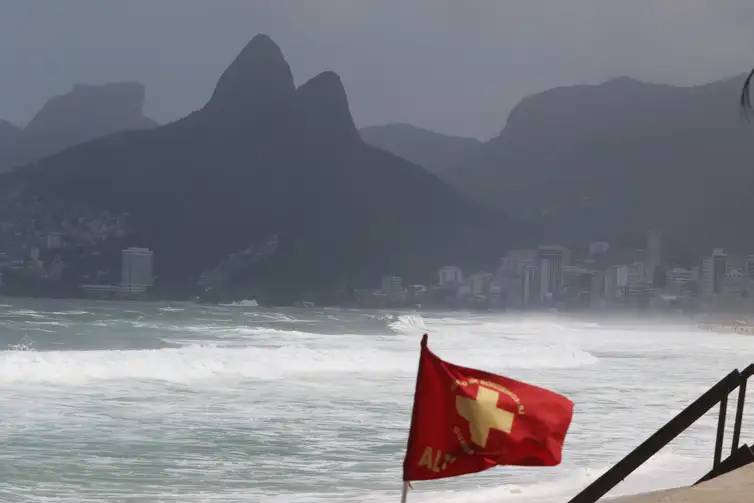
(432, 151)
(611, 160)
(9, 134)
(84, 113)
(263, 158)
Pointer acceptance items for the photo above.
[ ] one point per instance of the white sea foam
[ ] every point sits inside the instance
(242, 303)
(25, 312)
(38, 329)
(211, 360)
(52, 323)
(275, 317)
(409, 324)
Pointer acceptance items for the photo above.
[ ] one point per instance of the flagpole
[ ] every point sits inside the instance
(406, 483)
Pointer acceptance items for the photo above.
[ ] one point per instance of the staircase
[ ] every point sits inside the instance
(739, 456)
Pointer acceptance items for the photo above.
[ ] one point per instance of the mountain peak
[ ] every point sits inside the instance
(322, 105)
(259, 76)
(92, 103)
(82, 114)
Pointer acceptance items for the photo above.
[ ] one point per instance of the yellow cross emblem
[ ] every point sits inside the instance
(483, 415)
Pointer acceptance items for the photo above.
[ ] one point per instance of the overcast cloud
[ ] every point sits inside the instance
(455, 66)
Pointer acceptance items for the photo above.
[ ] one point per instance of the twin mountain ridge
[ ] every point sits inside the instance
(262, 158)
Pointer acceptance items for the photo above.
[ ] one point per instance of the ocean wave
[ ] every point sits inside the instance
(408, 324)
(38, 329)
(242, 333)
(25, 312)
(415, 323)
(220, 333)
(183, 365)
(520, 344)
(51, 323)
(275, 317)
(200, 361)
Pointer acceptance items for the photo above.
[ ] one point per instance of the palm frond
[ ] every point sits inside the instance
(745, 101)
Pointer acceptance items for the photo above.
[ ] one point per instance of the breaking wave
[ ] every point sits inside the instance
(199, 362)
(409, 325)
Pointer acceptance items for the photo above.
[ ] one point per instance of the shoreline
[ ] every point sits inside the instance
(716, 320)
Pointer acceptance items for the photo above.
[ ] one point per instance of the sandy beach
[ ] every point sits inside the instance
(734, 487)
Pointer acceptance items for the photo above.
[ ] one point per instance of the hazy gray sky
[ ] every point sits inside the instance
(455, 66)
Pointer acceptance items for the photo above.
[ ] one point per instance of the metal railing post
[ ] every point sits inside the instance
(720, 431)
(739, 414)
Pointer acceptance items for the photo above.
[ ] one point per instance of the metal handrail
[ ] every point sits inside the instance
(718, 394)
(745, 374)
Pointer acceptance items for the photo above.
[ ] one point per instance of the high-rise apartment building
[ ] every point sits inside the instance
(136, 270)
(749, 267)
(552, 260)
(712, 272)
(654, 255)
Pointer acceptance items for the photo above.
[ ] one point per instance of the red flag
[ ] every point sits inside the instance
(466, 420)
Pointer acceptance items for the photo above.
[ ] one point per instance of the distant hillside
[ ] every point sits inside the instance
(9, 134)
(432, 151)
(84, 113)
(264, 158)
(605, 161)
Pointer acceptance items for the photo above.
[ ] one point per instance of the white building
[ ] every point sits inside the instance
(480, 282)
(450, 276)
(732, 283)
(552, 260)
(680, 281)
(637, 274)
(545, 284)
(712, 272)
(136, 270)
(514, 275)
(616, 283)
(392, 286)
(529, 285)
(516, 260)
(749, 267)
(598, 248)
